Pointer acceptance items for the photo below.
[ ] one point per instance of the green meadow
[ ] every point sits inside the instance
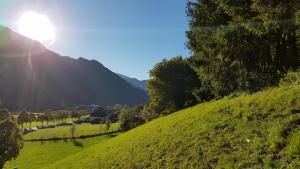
(35, 155)
(65, 131)
(250, 131)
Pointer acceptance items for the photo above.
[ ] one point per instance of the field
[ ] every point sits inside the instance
(35, 155)
(37, 123)
(251, 131)
(64, 131)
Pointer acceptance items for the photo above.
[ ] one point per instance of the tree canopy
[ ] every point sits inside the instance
(10, 137)
(243, 44)
(171, 84)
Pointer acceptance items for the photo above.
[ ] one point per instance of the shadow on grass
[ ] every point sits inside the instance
(77, 143)
(112, 135)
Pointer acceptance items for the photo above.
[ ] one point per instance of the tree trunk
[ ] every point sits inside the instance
(292, 59)
(1, 164)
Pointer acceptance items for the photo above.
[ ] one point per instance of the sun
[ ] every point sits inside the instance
(36, 26)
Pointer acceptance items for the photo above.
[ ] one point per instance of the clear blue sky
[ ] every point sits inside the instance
(127, 36)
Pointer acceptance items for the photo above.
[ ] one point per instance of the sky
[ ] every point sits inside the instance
(126, 36)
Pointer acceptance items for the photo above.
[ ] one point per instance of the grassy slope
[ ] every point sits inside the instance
(35, 155)
(64, 131)
(251, 131)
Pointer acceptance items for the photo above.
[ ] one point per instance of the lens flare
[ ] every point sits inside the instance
(37, 27)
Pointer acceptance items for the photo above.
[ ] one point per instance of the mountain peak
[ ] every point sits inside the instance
(43, 79)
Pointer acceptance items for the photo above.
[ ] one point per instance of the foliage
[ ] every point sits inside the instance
(73, 130)
(170, 86)
(23, 118)
(131, 117)
(42, 118)
(78, 114)
(107, 125)
(249, 131)
(31, 118)
(292, 78)
(242, 45)
(10, 137)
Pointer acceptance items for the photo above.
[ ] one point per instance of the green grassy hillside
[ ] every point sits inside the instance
(250, 131)
(35, 155)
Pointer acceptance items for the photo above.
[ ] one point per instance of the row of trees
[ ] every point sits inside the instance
(48, 116)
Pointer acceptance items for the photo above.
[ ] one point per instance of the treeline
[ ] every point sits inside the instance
(237, 46)
(48, 116)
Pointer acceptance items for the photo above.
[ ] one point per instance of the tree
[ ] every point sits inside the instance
(242, 45)
(10, 137)
(131, 117)
(73, 130)
(51, 116)
(23, 118)
(171, 84)
(31, 118)
(66, 114)
(107, 125)
(75, 114)
(42, 118)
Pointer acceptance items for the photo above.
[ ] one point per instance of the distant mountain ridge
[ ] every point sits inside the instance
(36, 78)
(135, 82)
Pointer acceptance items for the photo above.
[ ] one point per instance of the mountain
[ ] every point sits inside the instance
(135, 82)
(250, 131)
(36, 78)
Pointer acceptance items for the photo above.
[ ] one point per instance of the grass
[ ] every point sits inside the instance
(251, 131)
(35, 155)
(64, 131)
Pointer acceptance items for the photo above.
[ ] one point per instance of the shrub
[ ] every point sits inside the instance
(10, 137)
(291, 79)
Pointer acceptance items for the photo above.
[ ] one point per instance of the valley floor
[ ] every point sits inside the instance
(250, 131)
(35, 155)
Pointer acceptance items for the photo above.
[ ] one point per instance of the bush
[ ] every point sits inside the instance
(131, 118)
(291, 79)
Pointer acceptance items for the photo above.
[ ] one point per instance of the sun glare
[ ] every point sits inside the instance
(37, 27)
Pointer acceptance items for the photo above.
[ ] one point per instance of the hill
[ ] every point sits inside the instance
(36, 155)
(251, 131)
(135, 82)
(36, 78)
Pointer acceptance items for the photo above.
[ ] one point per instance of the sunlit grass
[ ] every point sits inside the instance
(65, 131)
(35, 155)
(250, 131)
